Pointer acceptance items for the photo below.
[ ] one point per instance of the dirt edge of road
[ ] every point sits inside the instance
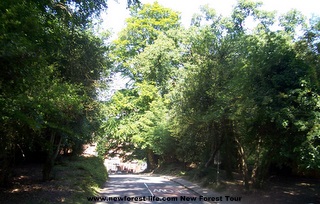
(276, 190)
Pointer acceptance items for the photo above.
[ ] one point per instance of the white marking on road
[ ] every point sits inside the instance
(159, 190)
(149, 189)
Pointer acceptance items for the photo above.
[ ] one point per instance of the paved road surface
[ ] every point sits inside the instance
(135, 188)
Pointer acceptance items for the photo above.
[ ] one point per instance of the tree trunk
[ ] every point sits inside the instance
(228, 148)
(52, 155)
(215, 145)
(6, 168)
(214, 151)
(261, 171)
(257, 163)
(151, 160)
(244, 166)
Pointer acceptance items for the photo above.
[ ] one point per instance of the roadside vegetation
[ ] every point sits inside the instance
(241, 89)
(219, 91)
(276, 188)
(52, 64)
(74, 179)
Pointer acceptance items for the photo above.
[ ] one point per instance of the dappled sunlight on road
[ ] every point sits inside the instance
(147, 187)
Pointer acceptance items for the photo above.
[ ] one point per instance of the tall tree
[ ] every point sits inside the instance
(51, 64)
(251, 94)
(142, 29)
(148, 54)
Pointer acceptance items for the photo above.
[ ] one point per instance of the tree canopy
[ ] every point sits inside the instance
(250, 93)
(218, 87)
(51, 65)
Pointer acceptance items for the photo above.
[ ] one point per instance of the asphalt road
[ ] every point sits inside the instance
(134, 188)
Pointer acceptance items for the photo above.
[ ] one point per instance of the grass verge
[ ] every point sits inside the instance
(84, 175)
(74, 179)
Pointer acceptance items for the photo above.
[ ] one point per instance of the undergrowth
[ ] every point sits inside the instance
(85, 175)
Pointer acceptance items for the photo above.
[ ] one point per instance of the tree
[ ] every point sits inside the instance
(157, 63)
(143, 28)
(251, 94)
(147, 53)
(241, 90)
(51, 64)
(136, 123)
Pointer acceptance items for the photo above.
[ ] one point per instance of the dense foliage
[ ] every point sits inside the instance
(250, 93)
(51, 63)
